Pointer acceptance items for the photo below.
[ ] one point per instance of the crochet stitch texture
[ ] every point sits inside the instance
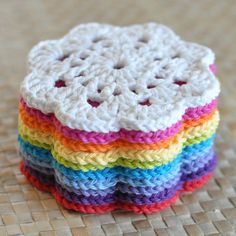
(118, 117)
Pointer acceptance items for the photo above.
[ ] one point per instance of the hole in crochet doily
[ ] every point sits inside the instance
(137, 47)
(116, 92)
(133, 89)
(98, 39)
(81, 74)
(175, 56)
(83, 56)
(119, 65)
(180, 82)
(75, 64)
(145, 103)
(143, 39)
(157, 59)
(158, 77)
(64, 57)
(150, 86)
(60, 83)
(100, 88)
(85, 83)
(93, 103)
(107, 44)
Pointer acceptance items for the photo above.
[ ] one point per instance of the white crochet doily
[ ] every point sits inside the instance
(103, 78)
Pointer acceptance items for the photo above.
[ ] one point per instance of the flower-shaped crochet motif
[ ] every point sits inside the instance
(104, 78)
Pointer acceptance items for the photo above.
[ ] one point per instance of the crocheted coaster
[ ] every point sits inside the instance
(118, 117)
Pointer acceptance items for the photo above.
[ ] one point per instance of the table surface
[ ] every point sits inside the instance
(27, 211)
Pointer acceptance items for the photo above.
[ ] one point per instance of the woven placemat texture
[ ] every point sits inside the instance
(27, 211)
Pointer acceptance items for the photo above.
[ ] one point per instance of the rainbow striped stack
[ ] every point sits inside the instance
(118, 118)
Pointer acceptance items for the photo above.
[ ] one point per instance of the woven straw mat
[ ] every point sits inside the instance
(27, 211)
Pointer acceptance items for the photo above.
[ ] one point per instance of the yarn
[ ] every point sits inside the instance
(171, 171)
(43, 156)
(47, 128)
(189, 186)
(127, 135)
(118, 77)
(118, 118)
(190, 135)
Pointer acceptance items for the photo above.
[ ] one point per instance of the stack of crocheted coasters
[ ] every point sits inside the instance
(118, 117)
